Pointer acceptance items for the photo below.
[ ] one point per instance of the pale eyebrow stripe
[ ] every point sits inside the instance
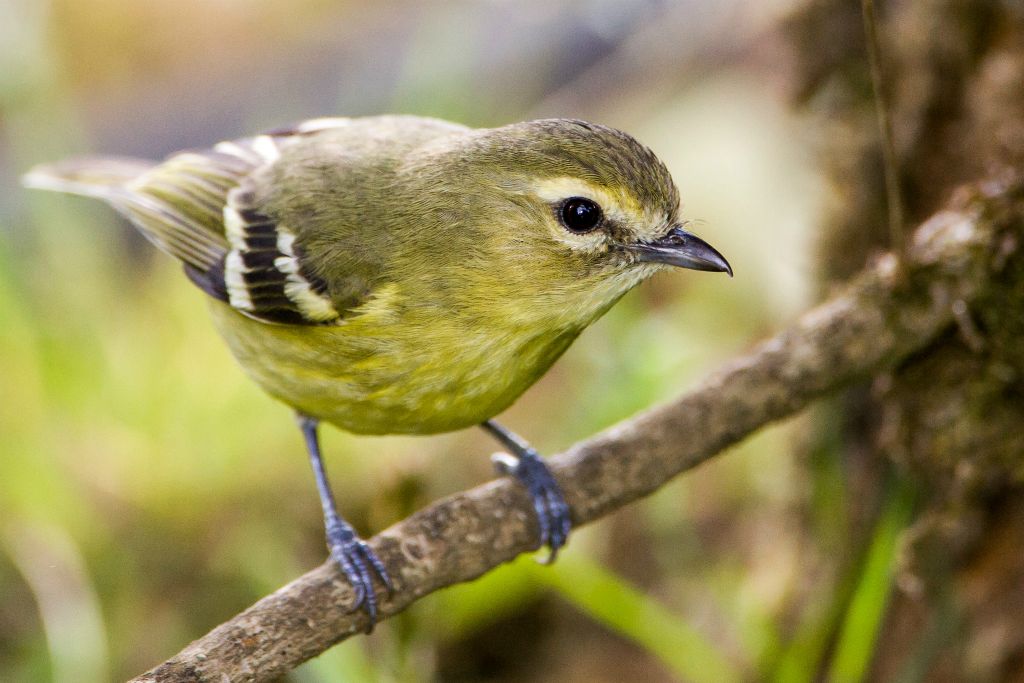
(555, 189)
(562, 187)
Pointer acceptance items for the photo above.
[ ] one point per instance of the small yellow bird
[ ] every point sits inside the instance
(405, 275)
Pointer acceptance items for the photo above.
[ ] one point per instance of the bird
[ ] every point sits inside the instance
(398, 274)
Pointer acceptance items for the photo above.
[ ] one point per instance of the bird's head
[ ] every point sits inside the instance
(580, 212)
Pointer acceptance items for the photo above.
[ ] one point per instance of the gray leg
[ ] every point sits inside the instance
(350, 552)
(528, 467)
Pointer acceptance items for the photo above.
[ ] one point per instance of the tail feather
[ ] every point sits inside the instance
(101, 177)
(133, 187)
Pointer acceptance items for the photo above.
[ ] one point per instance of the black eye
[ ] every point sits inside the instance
(580, 214)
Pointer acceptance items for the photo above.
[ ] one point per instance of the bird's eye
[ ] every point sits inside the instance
(580, 214)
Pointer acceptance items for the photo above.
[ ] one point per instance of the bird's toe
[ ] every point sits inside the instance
(359, 563)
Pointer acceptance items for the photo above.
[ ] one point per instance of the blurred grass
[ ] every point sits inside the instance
(140, 462)
(612, 602)
(864, 615)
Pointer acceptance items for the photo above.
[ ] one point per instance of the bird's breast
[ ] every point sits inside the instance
(394, 371)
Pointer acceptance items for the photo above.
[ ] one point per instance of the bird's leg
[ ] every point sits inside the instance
(528, 467)
(350, 552)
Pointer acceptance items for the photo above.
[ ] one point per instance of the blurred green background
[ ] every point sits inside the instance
(148, 491)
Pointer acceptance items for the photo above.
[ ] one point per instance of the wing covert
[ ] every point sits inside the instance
(264, 272)
(233, 248)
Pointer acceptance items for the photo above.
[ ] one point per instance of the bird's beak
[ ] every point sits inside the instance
(683, 249)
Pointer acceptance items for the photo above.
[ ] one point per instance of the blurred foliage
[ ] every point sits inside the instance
(148, 491)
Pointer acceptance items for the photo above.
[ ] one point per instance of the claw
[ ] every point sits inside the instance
(355, 558)
(553, 514)
(382, 572)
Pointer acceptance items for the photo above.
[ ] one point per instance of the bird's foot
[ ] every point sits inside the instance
(359, 563)
(553, 512)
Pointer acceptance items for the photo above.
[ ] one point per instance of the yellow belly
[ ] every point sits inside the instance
(377, 374)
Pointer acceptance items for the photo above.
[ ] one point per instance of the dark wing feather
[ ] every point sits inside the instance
(264, 273)
(260, 271)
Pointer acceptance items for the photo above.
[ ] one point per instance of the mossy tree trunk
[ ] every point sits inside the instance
(950, 420)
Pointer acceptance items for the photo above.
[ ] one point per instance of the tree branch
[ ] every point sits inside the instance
(889, 311)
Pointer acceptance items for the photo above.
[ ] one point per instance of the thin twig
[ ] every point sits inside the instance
(882, 316)
(893, 195)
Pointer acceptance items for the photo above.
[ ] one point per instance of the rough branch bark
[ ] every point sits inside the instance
(947, 423)
(886, 313)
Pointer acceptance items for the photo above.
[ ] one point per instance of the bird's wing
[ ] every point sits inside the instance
(200, 207)
(265, 274)
(262, 271)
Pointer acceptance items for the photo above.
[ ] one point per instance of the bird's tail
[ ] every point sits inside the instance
(101, 177)
(159, 204)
